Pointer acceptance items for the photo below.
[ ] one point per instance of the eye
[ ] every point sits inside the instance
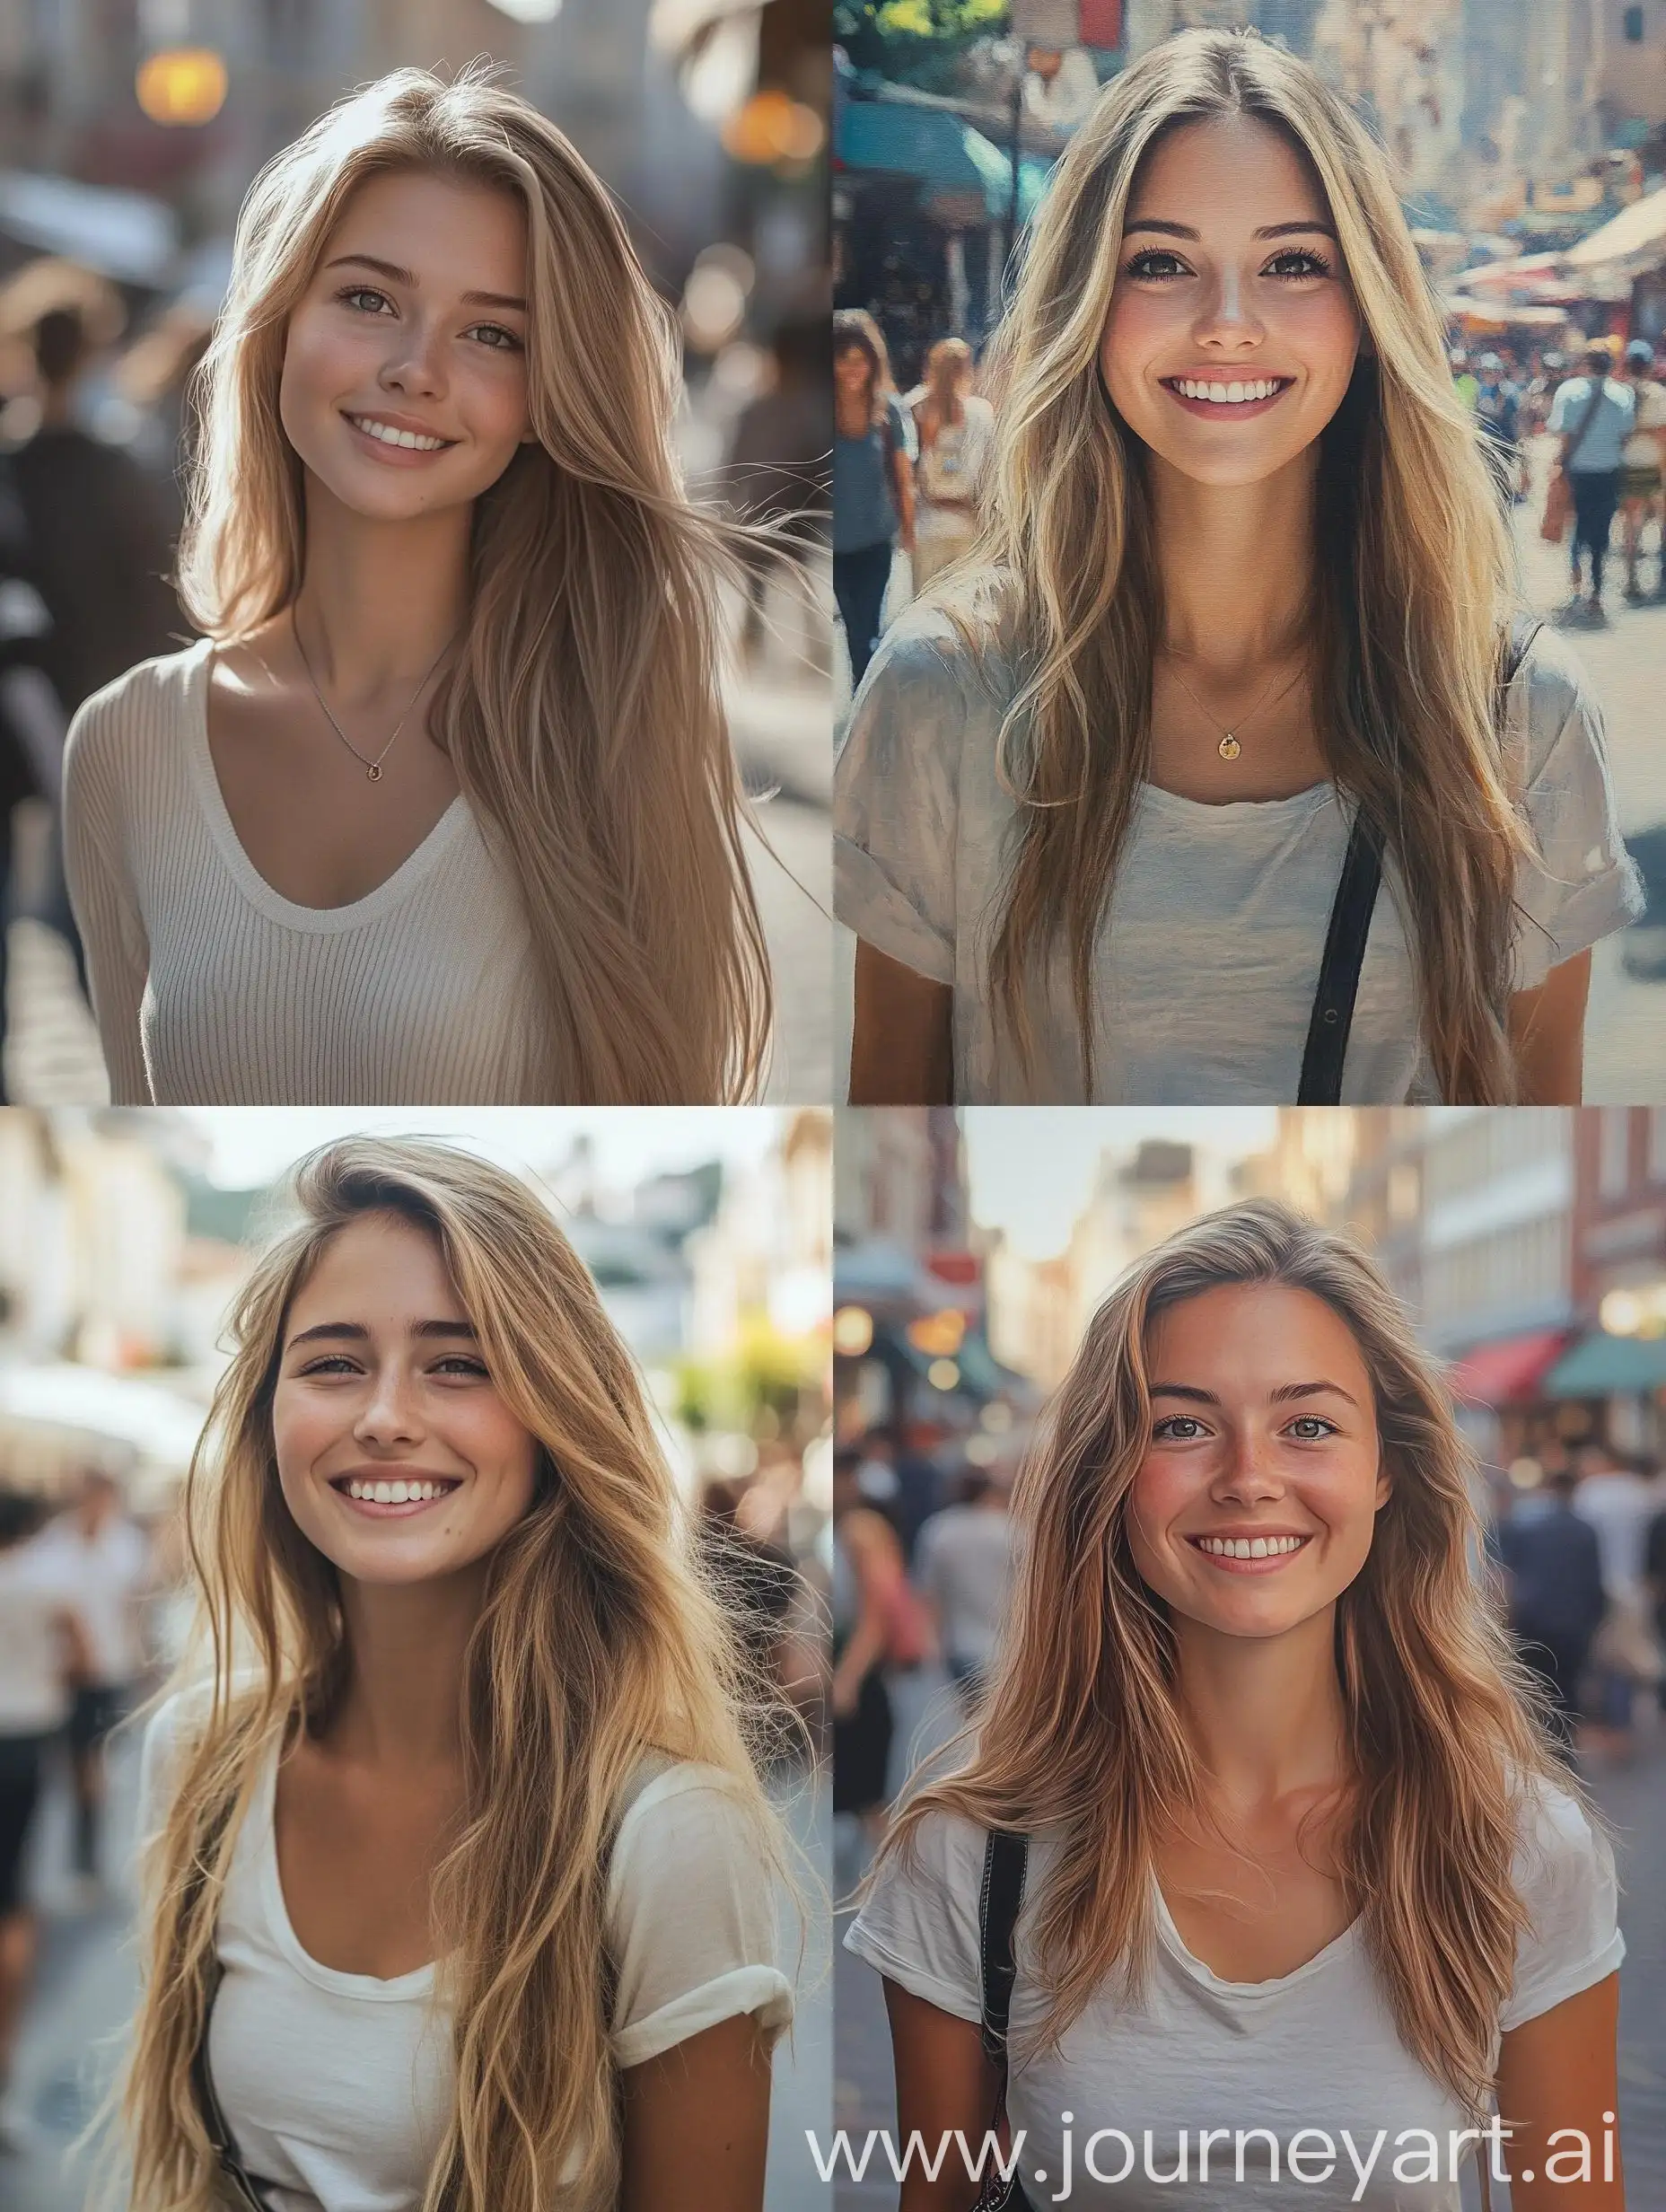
(1178, 1428)
(1312, 264)
(355, 293)
(1144, 264)
(461, 1364)
(333, 1362)
(1311, 1428)
(511, 343)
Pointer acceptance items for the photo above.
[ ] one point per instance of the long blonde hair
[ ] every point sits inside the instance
(583, 712)
(1413, 569)
(1081, 1725)
(600, 1640)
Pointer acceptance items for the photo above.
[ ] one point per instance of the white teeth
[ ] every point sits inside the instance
(388, 436)
(399, 1492)
(1250, 1548)
(1227, 395)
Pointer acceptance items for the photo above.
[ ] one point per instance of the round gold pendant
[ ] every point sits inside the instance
(1230, 747)
(374, 775)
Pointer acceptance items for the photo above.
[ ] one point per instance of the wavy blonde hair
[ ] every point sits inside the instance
(601, 1639)
(1412, 573)
(583, 712)
(1081, 1724)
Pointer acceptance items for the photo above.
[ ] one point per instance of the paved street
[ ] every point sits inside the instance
(88, 1978)
(1626, 1031)
(781, 716)
(1634, 1798)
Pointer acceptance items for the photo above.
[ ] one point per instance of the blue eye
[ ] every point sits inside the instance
(1315, 1427)
(1173, 1423)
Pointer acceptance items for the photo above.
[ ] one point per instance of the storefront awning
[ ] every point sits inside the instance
(1507, 1373)
(945, 154)
(1605, 1367)
(1635, 229)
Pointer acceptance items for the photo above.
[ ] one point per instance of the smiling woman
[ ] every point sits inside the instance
(443, 809)
(1297, 1861)
(454, 1847)
(1229, 673)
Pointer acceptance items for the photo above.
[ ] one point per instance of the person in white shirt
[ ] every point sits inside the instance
(106, 1560)
(457, 1864)
(963, 1565)
(1301, 1871)
(43, 1646)
(1643, 469)
(443, 808)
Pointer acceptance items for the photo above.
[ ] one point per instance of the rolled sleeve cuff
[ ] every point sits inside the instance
(1545, 1996)
(1595, 910)
(866, 900)
(762, 1990)
(913, 1977)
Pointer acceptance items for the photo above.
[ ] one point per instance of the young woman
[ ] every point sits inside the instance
(956, 430)
(1243, 581)
(872, 480)
(443, 808)
(457, 1884)
(1300, 1859)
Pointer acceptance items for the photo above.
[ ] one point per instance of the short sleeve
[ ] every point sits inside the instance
(102, 894)
(902, 427)
(1563, 1874)
(1581, 884)
(919, 1924)
(691, 1924)
(895, 802)
(162, 1752)
(1558, 408)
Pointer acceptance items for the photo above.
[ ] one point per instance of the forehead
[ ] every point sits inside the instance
(379, 1260)
(1250, 1337)
(1232, 168)
(451, 232)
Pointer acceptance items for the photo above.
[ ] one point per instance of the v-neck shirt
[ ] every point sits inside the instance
(1314, 2049)
(211, 988)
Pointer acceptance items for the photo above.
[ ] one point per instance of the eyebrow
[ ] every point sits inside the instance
(397, 276)
(1281, 1396)
(1267, 230)
(355, 1333)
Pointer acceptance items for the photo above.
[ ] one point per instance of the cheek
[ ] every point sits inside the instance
(496, 403)
(1160, 1491)
(301, 1429)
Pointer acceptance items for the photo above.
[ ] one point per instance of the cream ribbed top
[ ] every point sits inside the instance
(211, 989)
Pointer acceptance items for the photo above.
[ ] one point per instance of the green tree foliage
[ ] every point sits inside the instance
(915, 41)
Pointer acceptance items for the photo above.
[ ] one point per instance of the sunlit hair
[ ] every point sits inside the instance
(582, 711)
(1412, 570)
(1081, 1724)
(855, 326)
(948, 368)
(601, 1639)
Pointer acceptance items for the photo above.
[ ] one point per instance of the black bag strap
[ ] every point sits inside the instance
(245, 2189)
(1350, 923)
(1005, 1858)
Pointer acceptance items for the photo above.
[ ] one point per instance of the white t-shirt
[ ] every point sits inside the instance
(1315, 2049)
(337, 2087)
(1643, 448)
(106, 1573)
(963, 1562)
(213, 990)
(1207, 964)
(34, 1595)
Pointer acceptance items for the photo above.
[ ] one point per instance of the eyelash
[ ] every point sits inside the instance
(338, 1363)
(1164, 1429)
(1316, 264)
(369, 292)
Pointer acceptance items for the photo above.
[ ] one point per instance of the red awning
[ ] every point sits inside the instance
(1510, 1370)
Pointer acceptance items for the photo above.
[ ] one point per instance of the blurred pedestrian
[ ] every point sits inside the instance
(461, 1668)
(1642, 471)
(1592, 414)
(963, 1565)
(31, 716)
(1618, 1501)
(780, 455)
(1465, 383)
(873, 450)
(867, 1568)
(43, 1648)
(956, 433)
(1497, 410)
(104, 1557)
(444, 806)
(1654, 1578)
(1554, 1593)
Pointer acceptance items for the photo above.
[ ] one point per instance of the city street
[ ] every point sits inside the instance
(89, 1975)
(783, 731)
(1626, 1028)
(1633, 1798)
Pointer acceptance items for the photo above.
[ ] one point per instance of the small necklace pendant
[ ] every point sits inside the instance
(1230, 747)
(374, 775)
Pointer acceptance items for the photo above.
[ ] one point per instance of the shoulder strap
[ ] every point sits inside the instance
(1350, 923)
(1005, 1855)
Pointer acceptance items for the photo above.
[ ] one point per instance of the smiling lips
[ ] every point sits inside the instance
(1248, 1555)
(399, 436)
(384, 1498)
(1229, 398)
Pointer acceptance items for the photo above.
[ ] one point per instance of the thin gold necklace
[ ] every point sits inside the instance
(373, 769)
(1229, 748)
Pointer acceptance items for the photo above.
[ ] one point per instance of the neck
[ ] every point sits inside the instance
(1264, 1714)
(408, 1645)
(378, 599)
(1236, 562)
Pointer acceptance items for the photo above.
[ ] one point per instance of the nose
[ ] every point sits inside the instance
(1226, 321)
(1248, 1476)
(389, 1414)
(415, 361)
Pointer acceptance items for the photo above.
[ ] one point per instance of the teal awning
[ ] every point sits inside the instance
(895, 138)
(1605, 1367)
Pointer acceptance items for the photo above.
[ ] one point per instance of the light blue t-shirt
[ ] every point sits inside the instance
(1600, 449)
(864, 498)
